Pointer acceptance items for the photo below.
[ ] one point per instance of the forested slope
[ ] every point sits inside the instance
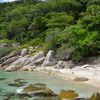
(60, 25)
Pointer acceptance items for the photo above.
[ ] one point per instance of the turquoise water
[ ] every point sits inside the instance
(54, 83)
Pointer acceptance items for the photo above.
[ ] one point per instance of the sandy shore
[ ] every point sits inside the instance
(85, 71)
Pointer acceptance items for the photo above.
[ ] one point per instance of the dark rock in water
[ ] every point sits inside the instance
(17, 83)
(80, 79)
(40, 84)
(68, 94)
(19, 80)
(35, 90)
(2, 79)
(95, 96)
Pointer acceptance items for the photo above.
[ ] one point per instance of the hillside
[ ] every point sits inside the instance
(60, 25)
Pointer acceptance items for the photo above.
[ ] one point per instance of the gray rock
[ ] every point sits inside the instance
(60, 64)
(38, 58)
(50, 59)
(12, 68)
(12, 54)
(64, 53)
(18, 64)
(9, 61)
(65, 64)
(70, 64)
(35, 90)
(25, 62)
(24, 52)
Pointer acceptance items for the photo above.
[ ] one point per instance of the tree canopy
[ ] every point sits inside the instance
(54, 24)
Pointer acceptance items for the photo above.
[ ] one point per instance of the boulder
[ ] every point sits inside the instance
(26, 63)
(11, 68)
(70, 64)
(65, 64)
(38, 58)
(12, 54)
(80, 79)
(18, 64)
(9, 61)
(95, 96)
(24, 52)
(64, 53)
(67, 95)
(60, 64)
(35, 90)
(50, 59)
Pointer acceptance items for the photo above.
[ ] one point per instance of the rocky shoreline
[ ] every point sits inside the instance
(26, 60)
(29, 59)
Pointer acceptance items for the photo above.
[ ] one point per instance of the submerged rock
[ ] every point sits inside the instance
(95, 96)
(67, 95)
(35, 90)
(80, 79)
(17, 83)
(2, 79)
(50, 59)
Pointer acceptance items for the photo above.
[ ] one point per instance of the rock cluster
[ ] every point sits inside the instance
(24, 60)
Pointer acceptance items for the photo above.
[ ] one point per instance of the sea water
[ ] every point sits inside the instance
(53, 82)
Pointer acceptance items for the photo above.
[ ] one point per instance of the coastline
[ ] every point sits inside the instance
(70, 74)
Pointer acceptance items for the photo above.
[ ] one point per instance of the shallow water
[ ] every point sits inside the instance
(54, 83)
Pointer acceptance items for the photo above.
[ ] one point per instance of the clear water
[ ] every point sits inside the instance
(54, 83)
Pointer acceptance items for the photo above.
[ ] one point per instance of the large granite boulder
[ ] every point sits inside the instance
(50, 59)
(35, 90)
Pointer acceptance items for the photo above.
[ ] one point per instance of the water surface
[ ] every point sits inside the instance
(54, 83)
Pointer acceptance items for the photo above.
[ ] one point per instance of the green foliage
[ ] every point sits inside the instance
(54, 24)
(17, 28)
(62, 21)
(50, 40)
